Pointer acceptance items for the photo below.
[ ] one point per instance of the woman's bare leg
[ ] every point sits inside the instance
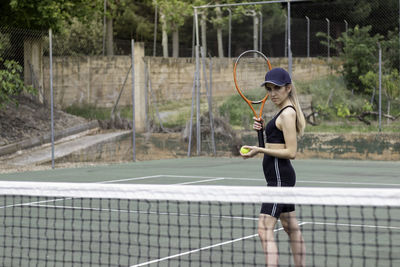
(266, 226)
(291, 226)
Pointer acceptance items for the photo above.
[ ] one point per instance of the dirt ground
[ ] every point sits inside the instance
(29, 119)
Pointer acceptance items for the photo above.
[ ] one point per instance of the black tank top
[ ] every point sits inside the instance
(274, 135)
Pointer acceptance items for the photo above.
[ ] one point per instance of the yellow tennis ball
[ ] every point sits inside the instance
(244, 150)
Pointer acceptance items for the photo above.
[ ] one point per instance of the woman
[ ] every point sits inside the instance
(281, 146)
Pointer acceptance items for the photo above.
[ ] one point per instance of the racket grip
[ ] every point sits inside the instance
(260, 138)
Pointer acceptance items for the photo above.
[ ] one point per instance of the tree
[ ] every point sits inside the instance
(79, 38)
(390, 50)
(219, 23)
(354, 11)
(45, 14)
(135, 19)
(358, 55)
(172, 14)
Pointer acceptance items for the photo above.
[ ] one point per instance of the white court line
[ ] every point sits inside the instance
(146, 212)
(202, 181)
(130, 179)
(30, 203)
(203, 248)
(193, 251)
(355, 225)
(111, 181)
(347, 183)
(245, 179)
(208, 177)
(251, 236)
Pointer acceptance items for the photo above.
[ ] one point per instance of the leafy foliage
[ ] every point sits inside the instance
(390, 50)
(332, 100)
(175, 12)
(11, 84)
(79, 38)
(359, 55)
(46, 14)
(391, 83)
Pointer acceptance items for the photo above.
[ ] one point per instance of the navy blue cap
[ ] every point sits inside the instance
(277, 76)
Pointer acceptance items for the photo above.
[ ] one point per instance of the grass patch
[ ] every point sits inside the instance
(92, 112)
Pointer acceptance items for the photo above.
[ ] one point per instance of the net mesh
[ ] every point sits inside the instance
(56, 224)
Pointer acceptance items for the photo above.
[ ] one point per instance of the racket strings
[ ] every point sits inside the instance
(250, 71)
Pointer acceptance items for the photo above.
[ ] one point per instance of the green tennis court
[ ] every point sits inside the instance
(120, 232)
(224, 171)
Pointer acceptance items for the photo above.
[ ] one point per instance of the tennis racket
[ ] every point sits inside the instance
(246, 75)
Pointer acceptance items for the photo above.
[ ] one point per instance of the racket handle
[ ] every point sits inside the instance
(260, 138)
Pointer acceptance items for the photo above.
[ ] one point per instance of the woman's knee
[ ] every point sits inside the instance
(289, 224)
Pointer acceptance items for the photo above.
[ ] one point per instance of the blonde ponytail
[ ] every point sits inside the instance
(300, 120)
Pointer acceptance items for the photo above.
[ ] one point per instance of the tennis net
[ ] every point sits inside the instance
(79, 224)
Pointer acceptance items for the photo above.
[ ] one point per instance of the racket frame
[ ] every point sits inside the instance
(251, 102)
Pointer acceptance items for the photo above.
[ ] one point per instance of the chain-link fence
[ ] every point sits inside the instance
(93, 85)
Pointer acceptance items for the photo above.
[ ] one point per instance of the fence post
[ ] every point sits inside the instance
(51, 96)
(133, 101)
(380, 86)
(328, 38)
(229, 32)
(261, 28)
(308, 36)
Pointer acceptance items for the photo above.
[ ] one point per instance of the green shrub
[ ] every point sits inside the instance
(331, 99)
(11, 83)
(236, 110)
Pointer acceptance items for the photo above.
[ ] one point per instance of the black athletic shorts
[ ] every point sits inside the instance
(278, 172)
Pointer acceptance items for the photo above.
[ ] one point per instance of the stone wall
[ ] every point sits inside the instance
(98, 80)
(361, 146)
(173, 78)
(355, 146)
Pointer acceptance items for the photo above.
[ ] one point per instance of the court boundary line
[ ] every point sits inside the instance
(240, 179)
(112, 181)
(254, 235)
(140, 212)
(205, 215)
(202, 248)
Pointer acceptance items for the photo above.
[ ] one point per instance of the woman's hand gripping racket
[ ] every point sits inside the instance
(246, 75)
